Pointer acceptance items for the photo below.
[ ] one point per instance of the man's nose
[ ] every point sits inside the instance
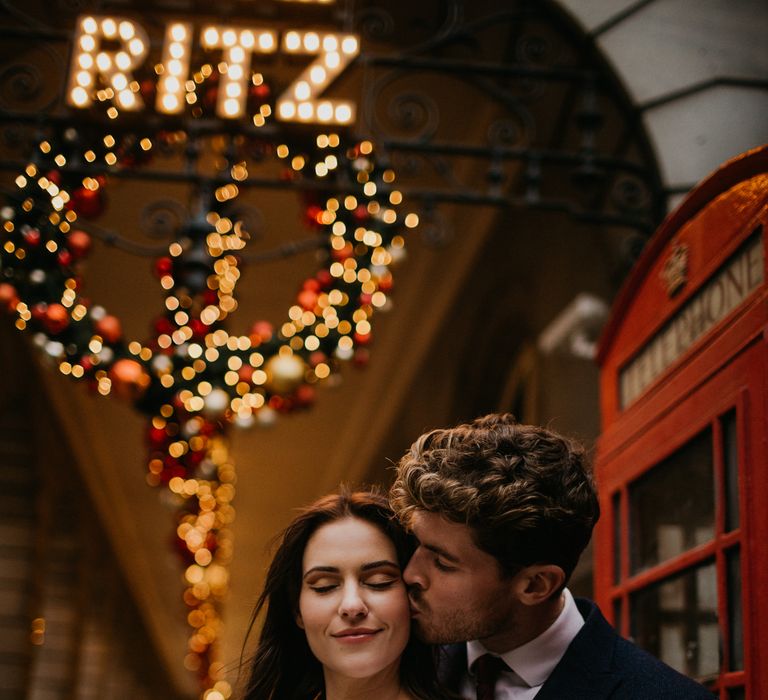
(413, 573)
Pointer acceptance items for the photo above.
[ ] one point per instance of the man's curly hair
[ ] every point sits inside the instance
(525, 491)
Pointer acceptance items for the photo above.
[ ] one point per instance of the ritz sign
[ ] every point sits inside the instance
(108, 49)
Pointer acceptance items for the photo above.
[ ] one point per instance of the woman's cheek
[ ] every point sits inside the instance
(400, 614)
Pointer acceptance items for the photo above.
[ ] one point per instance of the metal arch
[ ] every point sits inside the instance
(585, 160)
(568, 168)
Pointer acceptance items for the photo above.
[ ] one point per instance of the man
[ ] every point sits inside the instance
(502, 513)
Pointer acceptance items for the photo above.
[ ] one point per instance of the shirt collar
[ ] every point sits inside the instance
(534, 661)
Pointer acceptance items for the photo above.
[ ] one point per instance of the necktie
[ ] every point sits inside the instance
(487, 669)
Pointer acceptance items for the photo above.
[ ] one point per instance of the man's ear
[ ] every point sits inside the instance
(538, 583)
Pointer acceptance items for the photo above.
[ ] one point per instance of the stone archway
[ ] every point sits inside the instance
(697, 77)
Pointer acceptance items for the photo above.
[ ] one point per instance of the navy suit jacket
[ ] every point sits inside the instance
(599, 664)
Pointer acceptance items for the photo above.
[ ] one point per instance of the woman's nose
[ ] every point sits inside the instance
(352, 603)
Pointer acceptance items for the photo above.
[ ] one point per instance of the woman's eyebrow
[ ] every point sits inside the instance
(378, 564)
(321, 569)
(364, 567)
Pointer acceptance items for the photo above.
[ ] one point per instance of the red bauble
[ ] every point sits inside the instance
(164, 325)
(311, 214)
(129, 380)
(54, 176)
(56, 318)
(211, 543)
(260, 92)
(38, 311)
(263, 330)
(199, 329)
(210, 97)
(157, 437)
(317, 357)
(305, 396)
(245, 373)
(147, 89)
(109, 329)
(324, 279)
(362, 338)
(163, 266)
(65, 258)
(194, 457)
(170, 463)
(207, 428)
(32, 237)
(79, 243)
(360, 213)
(171, 469)
(183, 551)
(8, 297)
(307, 299)
(87, 203)
(386, 283)
(344, 253)
(311, 284)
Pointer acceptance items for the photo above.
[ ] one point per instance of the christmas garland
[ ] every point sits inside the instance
(193, 378)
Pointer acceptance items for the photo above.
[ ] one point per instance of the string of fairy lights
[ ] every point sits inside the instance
(193, 378)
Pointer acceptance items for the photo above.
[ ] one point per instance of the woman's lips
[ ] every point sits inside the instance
(355, 636)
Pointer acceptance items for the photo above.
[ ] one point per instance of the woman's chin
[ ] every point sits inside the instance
(358, 669)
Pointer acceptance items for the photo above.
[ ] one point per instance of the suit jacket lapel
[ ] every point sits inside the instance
(584, 673)
(451, 666)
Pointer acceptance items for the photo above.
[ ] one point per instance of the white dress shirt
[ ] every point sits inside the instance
(533, 662)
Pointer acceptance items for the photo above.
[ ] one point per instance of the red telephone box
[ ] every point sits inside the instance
(681, 551)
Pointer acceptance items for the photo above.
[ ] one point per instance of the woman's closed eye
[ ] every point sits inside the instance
(323, 583)
(377, 582)
(381, 582)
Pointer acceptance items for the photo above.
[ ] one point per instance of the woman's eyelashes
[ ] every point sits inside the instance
(377, 582)
(381, 583)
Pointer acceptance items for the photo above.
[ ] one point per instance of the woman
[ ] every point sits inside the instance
(337, 621)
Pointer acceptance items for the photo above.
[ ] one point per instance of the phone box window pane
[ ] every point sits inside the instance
(672, 507)
(731, 462)
(676, 620)
(735, 614)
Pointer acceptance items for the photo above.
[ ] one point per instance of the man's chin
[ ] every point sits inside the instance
(426, 634)
(419, 630)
